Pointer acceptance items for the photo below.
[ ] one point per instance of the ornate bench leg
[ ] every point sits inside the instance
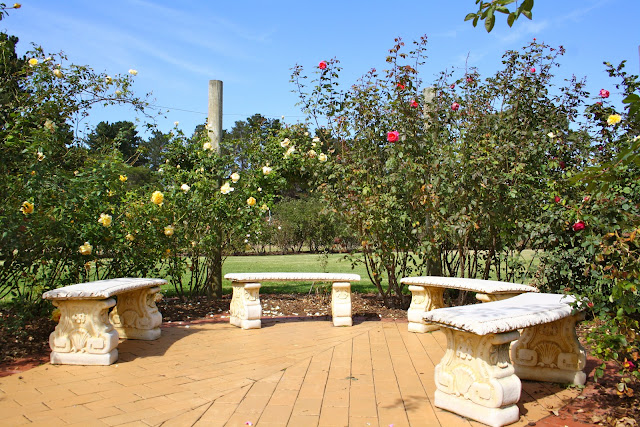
(475, 378)
(551, 352)
(423, 299)
(84, 335)
(136, 315)
(245, 307)
(341, 304)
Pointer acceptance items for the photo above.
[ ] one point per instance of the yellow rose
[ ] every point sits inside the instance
(168, 230)
(157, 197)
(27, 208)
(86, 249)
(266, 170)
(322, 157)
(614, 119)
(17, 5)
(41, 156)
(207, 146)
(123, 178)
(130, 237)
(108, 80)
(105, 219)
(133, 72)
(49, 125)
(118, 92)
(235, 177)
(57, 73)
(251, 201)
(185, 187)
(226, 188)
(312, 154)
(264, 207)
(33, 62)
(285, 143)
(290, 151)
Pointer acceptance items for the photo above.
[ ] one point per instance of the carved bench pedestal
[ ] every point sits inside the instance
(136, 315)
(551, 352)
(475, 377)
(84, 335)
(245, 306)
(341, 304)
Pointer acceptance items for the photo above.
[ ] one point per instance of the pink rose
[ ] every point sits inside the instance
(393, 136)
(469, 79)
(452, 86)
(604, 93)
(579, 225)
(533, 70)
(322, 65)
(414, 103)
(455, 106)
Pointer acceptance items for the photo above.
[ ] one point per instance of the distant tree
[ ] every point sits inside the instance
(122, 136)
(250, 134)
(154, 149)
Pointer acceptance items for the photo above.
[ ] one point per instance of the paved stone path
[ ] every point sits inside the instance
(289, 373)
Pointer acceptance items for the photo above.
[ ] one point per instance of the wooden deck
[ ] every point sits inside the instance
(289, 373)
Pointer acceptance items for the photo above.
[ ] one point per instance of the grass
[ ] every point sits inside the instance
(308, 263)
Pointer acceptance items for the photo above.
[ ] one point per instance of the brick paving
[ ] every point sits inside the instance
(289, 373)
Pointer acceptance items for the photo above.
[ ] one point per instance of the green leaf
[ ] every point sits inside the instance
(490, 22)
(511, 19)
(527, 5)
(470, 16)
(527, 14)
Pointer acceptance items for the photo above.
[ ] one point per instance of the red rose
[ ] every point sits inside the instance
(599, 103)
(393, 136)
(533, 70)
(604, 93)
(455, 106)
(469, 79)
(578, 226)
(562, 164)
(590, 304)
(452, 86)
(322, 65)
(400, 86)
(557, 199)
(414, 103)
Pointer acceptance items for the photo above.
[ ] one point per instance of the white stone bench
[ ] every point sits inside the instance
(477, 379)
(245, 307)
(427, 293)
(87, 334)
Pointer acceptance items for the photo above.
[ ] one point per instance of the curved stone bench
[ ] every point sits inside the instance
(476, 377)
(427, 292)
(87, 334)
(245, 307)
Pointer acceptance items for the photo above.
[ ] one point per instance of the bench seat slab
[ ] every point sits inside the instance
(476, 379)
(551, 352)
(84, 335)
(136, 315)
(341, 304)
(245, 308)
(427, 294)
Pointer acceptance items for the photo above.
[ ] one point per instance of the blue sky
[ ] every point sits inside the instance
(178, 46)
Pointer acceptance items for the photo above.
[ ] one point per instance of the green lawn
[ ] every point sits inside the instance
(308, 263)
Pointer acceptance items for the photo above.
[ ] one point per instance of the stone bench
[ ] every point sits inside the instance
(245, 307)
(477, 379)
(87, 334)
(427, 293)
